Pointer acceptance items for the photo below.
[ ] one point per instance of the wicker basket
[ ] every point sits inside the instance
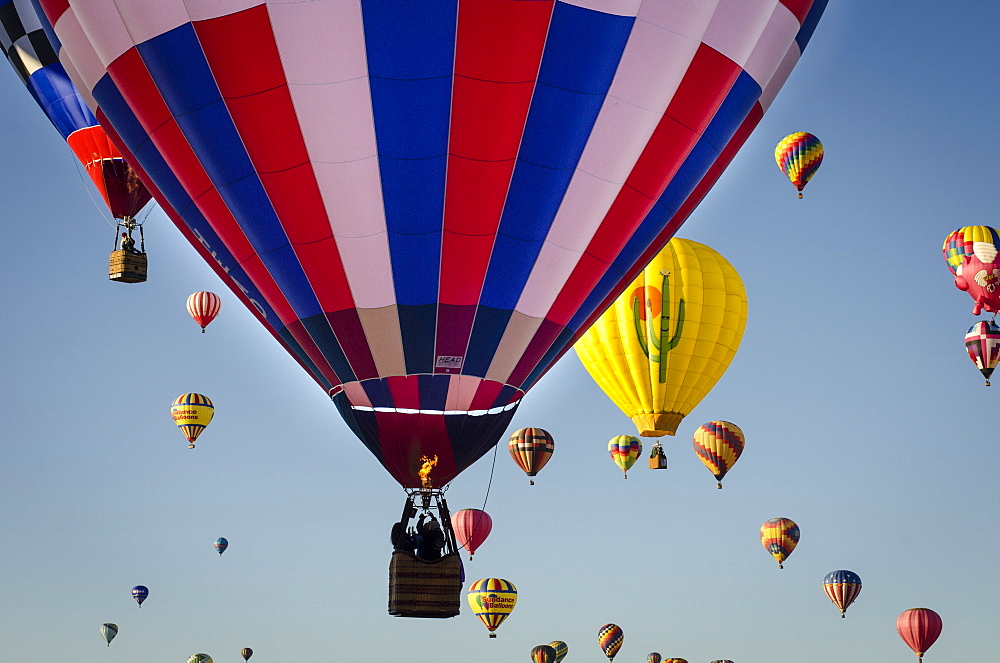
(127, 266)
(418, 588)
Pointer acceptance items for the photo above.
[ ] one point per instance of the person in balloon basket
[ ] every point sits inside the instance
(403, 539)
(429, 539)
(128, 244)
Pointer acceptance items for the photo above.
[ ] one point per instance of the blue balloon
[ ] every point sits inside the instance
(140, 593)
(221, 544)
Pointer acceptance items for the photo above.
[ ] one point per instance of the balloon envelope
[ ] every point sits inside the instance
(221, 544)
(779, 537)
(625, 450)
(982, 342)
(799, 156)
(842, 587)
(492, 600)
(543, 654)
(471, 526)
(140, 593)
(203, 307)
(531, 449)
(980, 241)
(200, 658)
(919, 628)
(718, 445)
(610, 638)
(668, 339)
(498, 175)
(108, 632)
(675, 660)
(192, 413)
(654, 657)
(246, 653)
(561, 649)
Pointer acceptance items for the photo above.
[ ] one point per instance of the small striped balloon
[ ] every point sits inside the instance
(543, 654)
(492, 600)
(531, 449)
(842, 587)
(192, 413)
(625, 450)
(718, 445)
(203, 307)
(561, 649)
(654, 657)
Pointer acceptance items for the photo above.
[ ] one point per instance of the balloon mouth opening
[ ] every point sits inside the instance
(657, 424)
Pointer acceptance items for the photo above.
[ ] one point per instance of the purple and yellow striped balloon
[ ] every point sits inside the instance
(610, 638)
(779, 536)
(718, 445)
(799, 156)
(625, 450)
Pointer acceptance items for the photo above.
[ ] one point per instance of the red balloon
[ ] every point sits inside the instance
(919, 628)
(471, 526)
(981, 280)
(203, 307)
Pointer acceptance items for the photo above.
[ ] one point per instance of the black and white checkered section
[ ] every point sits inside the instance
(23, 40)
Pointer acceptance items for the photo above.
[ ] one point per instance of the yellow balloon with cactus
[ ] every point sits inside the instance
(666, 341)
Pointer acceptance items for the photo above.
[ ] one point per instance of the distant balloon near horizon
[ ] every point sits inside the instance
(722, 660)
(246, 653)
(654, 657)
(221, 544)
(200, 658)
(919, 628)
(543, 654)
(203, 307)
(531, 449)
(108, 632)
(192, 413)
(561, 649)
(675, 660)
(610, 638)
(842, 587)
(140, 593)
(779, 537)
(982, 342)
(799, 156)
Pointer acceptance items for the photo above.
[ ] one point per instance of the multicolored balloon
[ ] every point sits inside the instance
(221, 544)
(719, 445)
(610, 638)
(203, 307)
(722, 660)
(492, 600)
(108, 632)
(543, 654)
(779, 537)
(140, 593)
(980, 241)
(246, 653)
(666, 341)
(625, 450)
(919, 628)
(983, 345)
(471, 526)
(842, 587)
(654, 657)
(799, 156)
(474, 212)
(192, 413)
(972, 256)
(561, 649)
(531, 449)
(675, 660)
(200, 658)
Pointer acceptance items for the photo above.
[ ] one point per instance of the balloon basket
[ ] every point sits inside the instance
(421, 588)
(127, 266)
(493, 635)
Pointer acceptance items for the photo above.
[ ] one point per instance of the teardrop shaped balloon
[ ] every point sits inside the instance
(610, 638)
(192, 413)
(203, 307)
(140, 593)
(492, 600)
(471, 526)
(779, 537)
(675, 660)
(561, 649)
(221, 544)
(980, 241)
(108, 632)
(498, 176)
(667, 340)
(982, 342)
(200, 658)
(531, 449)
(543, 654)
(719, 445)
(246, 653)
(919, 628)
(654, 657)
(625, 450)
(842, 587)
(799, 156)
(32, 48)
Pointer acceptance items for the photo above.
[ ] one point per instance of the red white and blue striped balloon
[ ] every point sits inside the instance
(427, 202)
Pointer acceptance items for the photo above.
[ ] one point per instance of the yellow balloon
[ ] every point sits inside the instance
(192, 413)
(492, 600)
(669, 337)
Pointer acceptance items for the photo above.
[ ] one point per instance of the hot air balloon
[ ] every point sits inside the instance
(675, 660)
(799, 156)
(140, 593)
(108, 632)
(722, 660)
(472, 526)
(983, 345)
(972, 256)
(531, 449)
(492, 600)
(499, 175)
(667, 340)
(200, 658)
(842, 587)
(779, 536)
(718, 445)
(919, 628)
(203, 307)
(610, 638)
(625, 450)
(561, 649)
(246, 653)
(543, 654)
(221, 544)
(192, 413)
(654, 657)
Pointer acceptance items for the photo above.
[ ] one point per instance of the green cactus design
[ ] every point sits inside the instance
(662, 347)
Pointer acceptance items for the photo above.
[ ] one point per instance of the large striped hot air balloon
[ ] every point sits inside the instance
(668, 339)
(625, 450)
(982, 342)
(779, 537)
(499, 173)
(471, 526)
(192, 413)
(610, 638)
(842, 587)
(799, 156)
(531, 449)
(718, 445)
(492, 600)
(203, 307)
(919, 628)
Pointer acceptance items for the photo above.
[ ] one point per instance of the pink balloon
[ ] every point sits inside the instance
(919, 628)
(472, 526)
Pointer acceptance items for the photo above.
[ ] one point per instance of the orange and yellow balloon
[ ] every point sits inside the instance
(531, 449)
(779, 536)
(718, 445)
(492, 600)
(625, 450)
(667, 340)
(192, 413)
(799, 156)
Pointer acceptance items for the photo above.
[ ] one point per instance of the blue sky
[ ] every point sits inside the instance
(865, 421)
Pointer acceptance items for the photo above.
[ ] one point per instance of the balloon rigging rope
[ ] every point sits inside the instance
(90, 193)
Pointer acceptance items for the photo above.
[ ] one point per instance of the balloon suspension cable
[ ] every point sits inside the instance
(100, 210)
